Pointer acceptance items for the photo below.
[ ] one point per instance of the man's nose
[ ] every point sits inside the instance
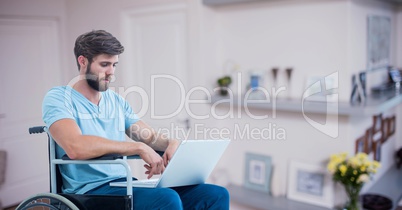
(110, 70)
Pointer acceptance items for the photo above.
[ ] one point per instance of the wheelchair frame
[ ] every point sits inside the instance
(53, 162)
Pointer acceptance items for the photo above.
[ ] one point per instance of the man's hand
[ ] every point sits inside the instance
(155, 164)
(170, 150)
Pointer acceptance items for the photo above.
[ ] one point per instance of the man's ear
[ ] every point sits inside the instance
(83, 61)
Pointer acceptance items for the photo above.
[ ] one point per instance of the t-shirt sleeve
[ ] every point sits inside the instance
(55, 107)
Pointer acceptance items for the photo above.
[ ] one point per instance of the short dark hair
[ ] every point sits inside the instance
(96, 42)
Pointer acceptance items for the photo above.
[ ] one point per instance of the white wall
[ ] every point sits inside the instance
(308, 35)
(37, 9)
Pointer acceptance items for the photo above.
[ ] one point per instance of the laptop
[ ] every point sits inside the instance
(191, 164)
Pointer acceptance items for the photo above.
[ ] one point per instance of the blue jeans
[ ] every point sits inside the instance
(202, 196)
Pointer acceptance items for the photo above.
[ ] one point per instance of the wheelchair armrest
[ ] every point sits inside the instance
(112, 157)
(138, 157)
(104, 157)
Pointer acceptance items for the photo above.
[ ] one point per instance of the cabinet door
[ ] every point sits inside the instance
(29, 68)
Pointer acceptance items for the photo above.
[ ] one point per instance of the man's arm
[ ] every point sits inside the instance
(140, 131)
(68, 135)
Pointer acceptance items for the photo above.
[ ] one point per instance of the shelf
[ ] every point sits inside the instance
(265, 201)
(373, 105)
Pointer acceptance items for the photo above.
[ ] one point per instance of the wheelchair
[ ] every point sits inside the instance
(56, 200)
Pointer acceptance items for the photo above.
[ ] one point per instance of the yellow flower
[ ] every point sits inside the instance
(335, 160)
(354, 162)
(363, 178)
(367, 163)
(352, 170)
(338, 158)
(343, 169)
(376, 164)
(331, 167)
(361, 156)
(344, 155)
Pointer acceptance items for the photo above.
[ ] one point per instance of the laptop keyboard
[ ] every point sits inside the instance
(146, 181)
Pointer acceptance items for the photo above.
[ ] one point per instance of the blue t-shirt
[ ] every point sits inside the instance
(109, 120)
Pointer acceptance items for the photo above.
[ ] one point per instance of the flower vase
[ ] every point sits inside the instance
(353, 196)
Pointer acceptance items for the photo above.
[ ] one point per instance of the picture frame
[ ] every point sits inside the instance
(310, 183)
(385, 130)
(360, 144)
(377, 122)
(370, 135)
(258, 171)
(378, 41)
(376, 141)
(391, 125)
(377, 151)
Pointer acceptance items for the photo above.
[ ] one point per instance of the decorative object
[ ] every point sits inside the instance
(258, 172)
(376, 202)
(255, 81)
(368, 143)
(378, 41)
(310, 183)
(352, 173)
(289, 72)
(363, 83)
(398, 157)
(391, 125)
(385, 130)
(224, 83)
(377, 122)
(360, 144)
(274, 72)
(377, 150)
(357, 96)
(255, 90)
(376, 135)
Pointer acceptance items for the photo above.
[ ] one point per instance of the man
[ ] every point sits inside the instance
(87, 120)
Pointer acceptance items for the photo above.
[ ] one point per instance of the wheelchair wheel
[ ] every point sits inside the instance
(47, 201)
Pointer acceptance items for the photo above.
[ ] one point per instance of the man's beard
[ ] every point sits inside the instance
(96, 83)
